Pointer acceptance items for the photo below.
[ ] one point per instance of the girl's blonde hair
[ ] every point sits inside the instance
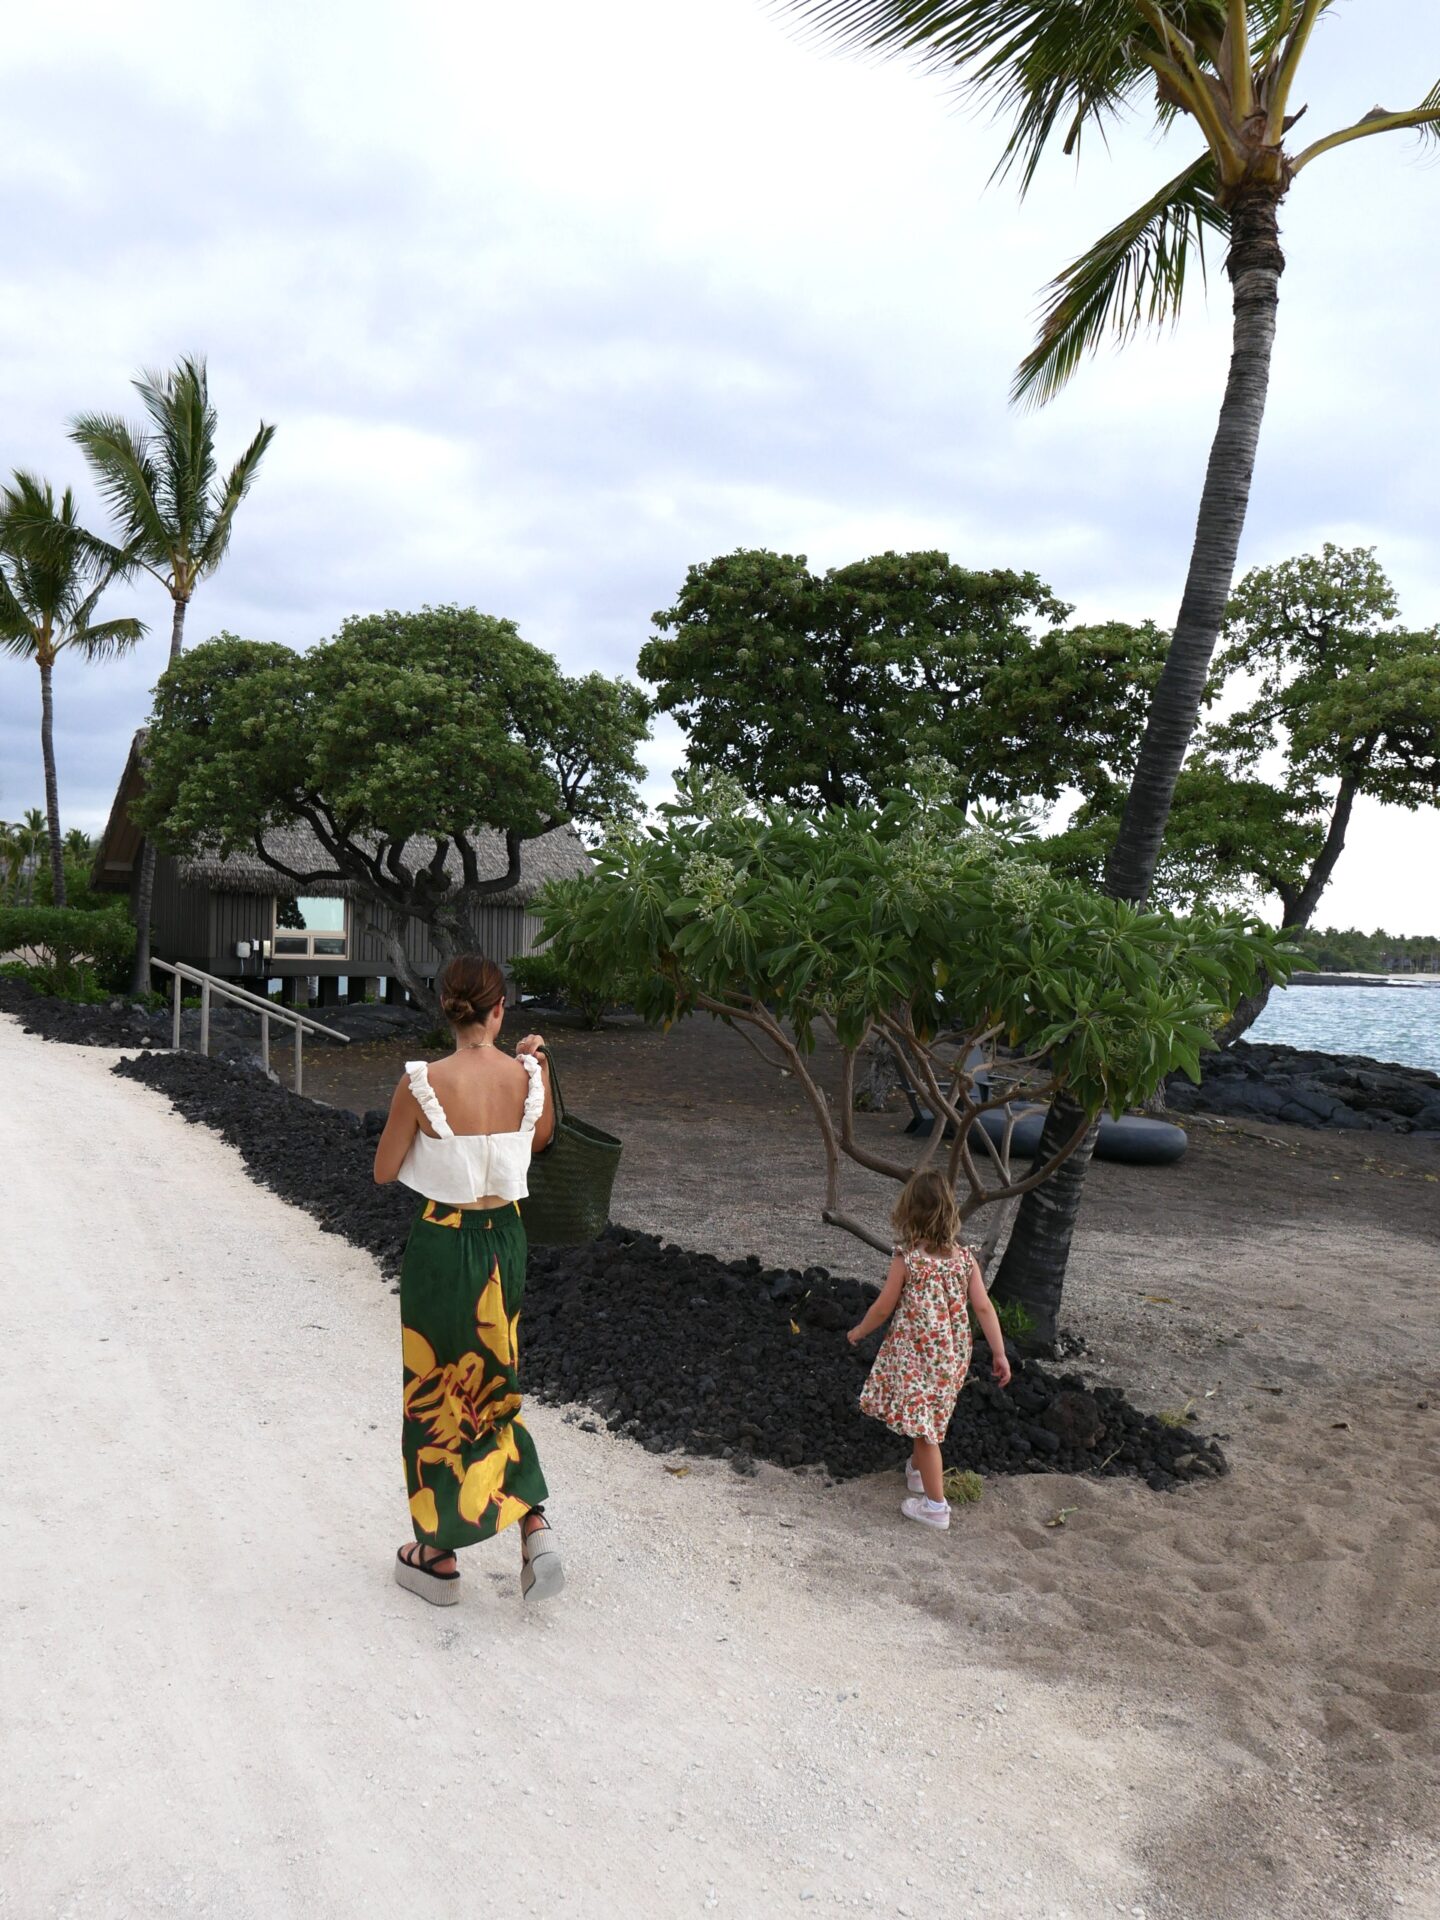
(926, 1213)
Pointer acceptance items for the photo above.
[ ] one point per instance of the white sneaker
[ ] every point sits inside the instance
(921, 1510)
(912, 1478)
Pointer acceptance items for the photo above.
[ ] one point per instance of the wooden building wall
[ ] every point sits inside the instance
(203, 926)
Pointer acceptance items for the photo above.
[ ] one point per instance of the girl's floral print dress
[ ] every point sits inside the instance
(924, 1358)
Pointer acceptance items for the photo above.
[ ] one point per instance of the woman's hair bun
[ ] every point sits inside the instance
(470, 986)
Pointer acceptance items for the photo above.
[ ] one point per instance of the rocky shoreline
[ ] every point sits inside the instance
(1307, 1089)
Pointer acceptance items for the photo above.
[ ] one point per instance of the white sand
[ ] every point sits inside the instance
(757, 1696)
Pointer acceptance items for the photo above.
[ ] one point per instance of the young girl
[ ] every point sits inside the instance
(923, 1360)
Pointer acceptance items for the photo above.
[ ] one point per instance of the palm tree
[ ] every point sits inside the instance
(79, 847)
(175, 514)
(31, 837)
(1227, 71)
(49, 586)
(11, 855)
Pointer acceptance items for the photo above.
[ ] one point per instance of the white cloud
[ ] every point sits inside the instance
(549, 306)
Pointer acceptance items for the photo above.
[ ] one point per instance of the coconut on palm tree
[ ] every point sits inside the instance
(1226, 73)
(50, 582)
(175, 513)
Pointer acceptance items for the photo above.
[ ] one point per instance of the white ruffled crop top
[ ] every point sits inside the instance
(458, 1168)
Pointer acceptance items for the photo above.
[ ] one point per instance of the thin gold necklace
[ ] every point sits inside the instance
(474, 1046)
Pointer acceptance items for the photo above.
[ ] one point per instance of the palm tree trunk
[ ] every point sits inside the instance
(1255, 264)
(52, 785)
(145, 884)
(1033, 1268)
(177, 630)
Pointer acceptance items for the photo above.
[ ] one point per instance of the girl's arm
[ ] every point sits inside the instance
(884, 1303)
(989, 1325)
(400, 1129)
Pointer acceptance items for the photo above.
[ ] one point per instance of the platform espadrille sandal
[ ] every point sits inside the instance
(440, 1589)
(542, 1573)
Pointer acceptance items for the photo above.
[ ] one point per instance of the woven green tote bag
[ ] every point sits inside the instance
(571, 1180)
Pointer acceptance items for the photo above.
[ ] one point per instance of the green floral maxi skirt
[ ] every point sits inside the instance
(470, 1465)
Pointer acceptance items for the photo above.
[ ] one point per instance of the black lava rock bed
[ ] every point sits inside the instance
(679, 1350)
(234, 1030)
(1306, 1089)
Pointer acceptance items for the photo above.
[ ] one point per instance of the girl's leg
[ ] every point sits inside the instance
(930, 1467)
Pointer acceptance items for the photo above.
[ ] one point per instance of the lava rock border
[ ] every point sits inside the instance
(681, 1351)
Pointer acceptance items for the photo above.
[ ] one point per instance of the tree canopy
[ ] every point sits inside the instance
(818, 689)
(428, 726)
(1343, 695)
(908, 922)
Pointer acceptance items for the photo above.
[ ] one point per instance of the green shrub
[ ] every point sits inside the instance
(581, 981)
(74, 953)
(962, 1487)
(1017, 1323)
(79, 894)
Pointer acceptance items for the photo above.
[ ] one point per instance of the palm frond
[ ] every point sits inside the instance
(1133, 277)
(1053, 67)
(106, 638)
(17, 629)
(1429, 129)
(237, 485)
(125, 474)
(183, 424)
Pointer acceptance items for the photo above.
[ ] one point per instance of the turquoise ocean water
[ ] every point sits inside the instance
(1387, 1023)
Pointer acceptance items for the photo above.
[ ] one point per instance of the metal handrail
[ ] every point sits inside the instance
(209, 983)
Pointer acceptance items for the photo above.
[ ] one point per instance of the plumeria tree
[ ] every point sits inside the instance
(908, 921)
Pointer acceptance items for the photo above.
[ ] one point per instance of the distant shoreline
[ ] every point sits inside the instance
(1364, 980)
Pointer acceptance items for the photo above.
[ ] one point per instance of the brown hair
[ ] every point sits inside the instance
(469, 985)
(926, 1213)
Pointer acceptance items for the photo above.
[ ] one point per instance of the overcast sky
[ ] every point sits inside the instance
(549, 303)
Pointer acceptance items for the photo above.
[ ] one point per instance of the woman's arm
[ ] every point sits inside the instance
(400, 1129)
(545, 1125)
(884, 1303)
(984, 1311)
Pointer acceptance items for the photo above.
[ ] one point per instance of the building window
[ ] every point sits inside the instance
(310, 929)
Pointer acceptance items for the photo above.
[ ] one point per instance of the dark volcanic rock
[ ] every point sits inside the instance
(678, 1349)
(1348, 1091)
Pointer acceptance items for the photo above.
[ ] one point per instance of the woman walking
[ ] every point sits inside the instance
(461, 1134)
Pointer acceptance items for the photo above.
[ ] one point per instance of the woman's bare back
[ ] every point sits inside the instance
(481, 1089)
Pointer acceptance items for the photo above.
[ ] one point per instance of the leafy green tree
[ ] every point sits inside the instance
(49, 589)
(819, 688)
(911, 922)
(1229, 839)
(1227, 72)
(79, 847)
(1347, 698)
(1348, 950)
(394, 743)
(175, 513)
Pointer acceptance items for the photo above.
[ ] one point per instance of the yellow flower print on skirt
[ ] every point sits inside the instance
(470, 1465)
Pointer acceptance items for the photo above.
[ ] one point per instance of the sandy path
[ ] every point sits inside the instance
(758, 1696)
(218, 1703)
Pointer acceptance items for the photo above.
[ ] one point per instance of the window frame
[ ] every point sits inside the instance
(308, 934)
